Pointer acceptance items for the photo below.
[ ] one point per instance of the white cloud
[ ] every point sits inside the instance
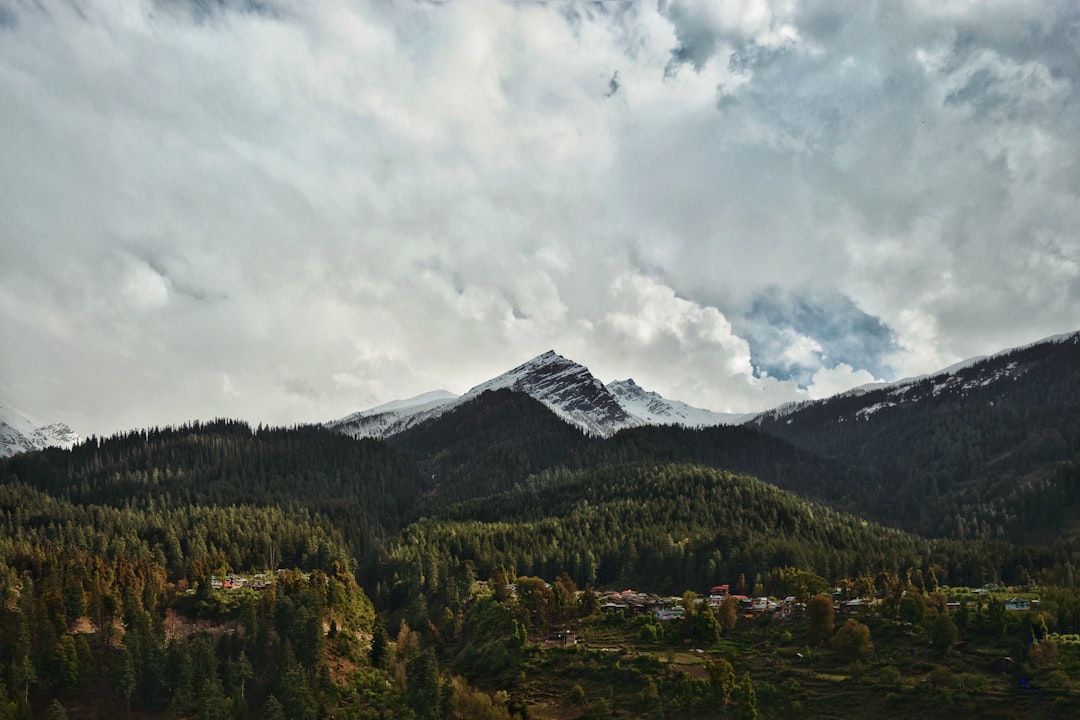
(681, 349)
(830, 381)
(344, 203)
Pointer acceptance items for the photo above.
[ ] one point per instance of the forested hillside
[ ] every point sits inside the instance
(220, 570)
(991, 450)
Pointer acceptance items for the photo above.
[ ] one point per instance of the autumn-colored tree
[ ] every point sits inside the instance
(728, 613)
(819, 617)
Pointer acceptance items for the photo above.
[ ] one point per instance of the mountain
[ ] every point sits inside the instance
(393, 417)
(654, 409)
(21, 433)
(989, 447)
(567, 388)
(489, 443)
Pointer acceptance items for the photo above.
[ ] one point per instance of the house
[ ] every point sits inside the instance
(673, 613)
(563, 638)
(852, 607)
(1017, 604)
(788, 606)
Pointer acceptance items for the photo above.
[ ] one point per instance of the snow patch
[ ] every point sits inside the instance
(21, 433)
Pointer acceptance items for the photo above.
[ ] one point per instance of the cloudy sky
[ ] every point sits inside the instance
(285, 211)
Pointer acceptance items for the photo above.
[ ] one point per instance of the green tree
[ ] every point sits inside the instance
(422, 685)
(943, 633)
(127, 682)
(537, 602)
(589, 602)
(748, 709)
(9, 709)
(852, 641)
(721, 679)
(56, 711)
(819, 618)
(708, 628)
(649, 697)
(912, 608)
(273, 709)
(379, 655)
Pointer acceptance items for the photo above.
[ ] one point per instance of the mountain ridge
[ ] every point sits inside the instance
(21, 433)
(565, 387)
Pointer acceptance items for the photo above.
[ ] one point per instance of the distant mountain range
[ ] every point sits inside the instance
(21, 433)
(567, 388)
(570, 391)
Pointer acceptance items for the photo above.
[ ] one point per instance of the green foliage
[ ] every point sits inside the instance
(56, 711)
(852, 641)
(889, 676)
(819, 618)
(598, 709)
(112, 534)
(912, 608)
(422, 685)
(989, 461)
(721, 680)
(943, 633)
(748, 705)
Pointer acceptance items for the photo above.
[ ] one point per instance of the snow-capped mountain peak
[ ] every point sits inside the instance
(654, 409)
(568, 389)
(21, 433)
(393, 417)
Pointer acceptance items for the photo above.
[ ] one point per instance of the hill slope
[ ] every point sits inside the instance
(987, 449)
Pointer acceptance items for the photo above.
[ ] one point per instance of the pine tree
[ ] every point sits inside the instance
(422, 685)
(748, 709)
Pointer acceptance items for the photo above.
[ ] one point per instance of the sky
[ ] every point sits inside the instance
(287, 211)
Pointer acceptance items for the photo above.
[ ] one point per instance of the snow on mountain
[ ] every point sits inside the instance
(393, 417)
(960, 378)
(654, 409)
(567, 389)
(21, 433)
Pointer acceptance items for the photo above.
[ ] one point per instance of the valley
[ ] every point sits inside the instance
(906, 541)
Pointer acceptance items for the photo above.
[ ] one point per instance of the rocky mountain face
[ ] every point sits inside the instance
(21, 433)
(654, 409)
(393, 417)
(565, 387)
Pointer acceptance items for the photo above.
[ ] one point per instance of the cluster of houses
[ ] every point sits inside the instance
(671, 608)
(260, 581)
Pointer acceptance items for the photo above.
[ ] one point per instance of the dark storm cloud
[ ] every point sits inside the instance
(791, 335)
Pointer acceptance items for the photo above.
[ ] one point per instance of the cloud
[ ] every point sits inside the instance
(828, 381)
(704, 27)
(687, 350)
(335, 204)
(794, 333)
